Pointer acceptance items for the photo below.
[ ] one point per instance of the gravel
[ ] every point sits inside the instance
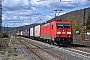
(22, 52)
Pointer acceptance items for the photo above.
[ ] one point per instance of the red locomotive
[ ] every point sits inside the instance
(57, 32)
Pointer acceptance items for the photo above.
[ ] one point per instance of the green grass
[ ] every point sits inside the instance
(3, 52)
(14, 42)
(14, 54)
(9, 55)
(9, 51)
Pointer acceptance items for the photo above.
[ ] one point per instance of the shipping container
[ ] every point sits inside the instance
(37, 31)
(21, 33)
(32, 31)
(18, 33)
(28, 31)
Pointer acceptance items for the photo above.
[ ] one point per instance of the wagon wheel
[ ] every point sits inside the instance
(52, 42)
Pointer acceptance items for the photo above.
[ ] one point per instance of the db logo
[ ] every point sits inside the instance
(63, 32)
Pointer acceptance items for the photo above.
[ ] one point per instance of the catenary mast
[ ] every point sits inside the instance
(0, 14)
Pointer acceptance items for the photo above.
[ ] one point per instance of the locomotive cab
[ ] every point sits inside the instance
(62, 32)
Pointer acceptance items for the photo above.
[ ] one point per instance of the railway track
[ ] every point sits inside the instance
(42, 53)
(80, 51)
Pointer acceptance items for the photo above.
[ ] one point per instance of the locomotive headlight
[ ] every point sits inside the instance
(58, 32)
(68, 32)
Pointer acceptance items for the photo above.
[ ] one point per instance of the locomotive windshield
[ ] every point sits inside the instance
(66, 26)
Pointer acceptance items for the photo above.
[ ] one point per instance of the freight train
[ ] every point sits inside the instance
(56, 32)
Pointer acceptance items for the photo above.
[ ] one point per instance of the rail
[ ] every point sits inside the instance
(33, 50)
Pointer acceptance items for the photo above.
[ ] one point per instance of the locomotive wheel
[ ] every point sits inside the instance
(52, 43)
(49, 41)
(42, 40)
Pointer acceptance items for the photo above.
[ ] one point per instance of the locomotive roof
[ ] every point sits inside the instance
(62, 22)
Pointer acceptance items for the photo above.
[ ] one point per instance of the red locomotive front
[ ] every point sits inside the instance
(63, 32)
(57, 32)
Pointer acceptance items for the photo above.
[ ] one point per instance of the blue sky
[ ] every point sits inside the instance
(23, 12)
